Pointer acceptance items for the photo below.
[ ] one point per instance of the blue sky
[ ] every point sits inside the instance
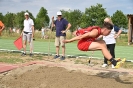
(14, 6)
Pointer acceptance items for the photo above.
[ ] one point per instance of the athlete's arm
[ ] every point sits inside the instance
(91, 34)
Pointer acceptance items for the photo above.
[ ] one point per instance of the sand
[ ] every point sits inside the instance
(64, 74)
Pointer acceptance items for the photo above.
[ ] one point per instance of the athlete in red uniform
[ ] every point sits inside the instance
(87, 41)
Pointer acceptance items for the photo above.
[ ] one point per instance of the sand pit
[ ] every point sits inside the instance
(63, 75)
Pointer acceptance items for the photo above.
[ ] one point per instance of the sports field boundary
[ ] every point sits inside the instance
(51, 54)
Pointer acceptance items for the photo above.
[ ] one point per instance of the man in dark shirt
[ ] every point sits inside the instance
(62, 26)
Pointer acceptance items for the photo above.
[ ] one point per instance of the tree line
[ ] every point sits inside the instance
(94, 15)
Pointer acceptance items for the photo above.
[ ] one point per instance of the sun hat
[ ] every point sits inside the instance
(59, 13)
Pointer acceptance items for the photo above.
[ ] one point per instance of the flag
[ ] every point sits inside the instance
(18, 43)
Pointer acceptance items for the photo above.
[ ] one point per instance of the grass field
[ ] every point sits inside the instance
(71, 49)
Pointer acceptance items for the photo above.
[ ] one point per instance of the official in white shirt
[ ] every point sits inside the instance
(28, 33)
(110, 40)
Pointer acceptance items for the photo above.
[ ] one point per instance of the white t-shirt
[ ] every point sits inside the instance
(28, 25)
(14, 30)
(43, 29)
(109, 39)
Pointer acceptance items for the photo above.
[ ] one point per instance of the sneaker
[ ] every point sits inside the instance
(112, 66)
(23, 54)
(118, 59)
(56, 56)
(104, 65)
(31, 54)
(119, 64)
(109, 63)
(62, 58)
(123, 60)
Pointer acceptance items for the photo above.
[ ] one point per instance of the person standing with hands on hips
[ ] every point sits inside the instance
(62, 26)
(28, 34)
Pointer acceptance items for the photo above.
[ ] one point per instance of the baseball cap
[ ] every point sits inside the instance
(59, 13)
(26, 13)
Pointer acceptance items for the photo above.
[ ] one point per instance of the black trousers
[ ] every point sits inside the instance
(111, 48)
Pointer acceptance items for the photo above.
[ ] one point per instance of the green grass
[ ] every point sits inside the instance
(71, 49)
(16, 58)
(11, 60)
(122, 50)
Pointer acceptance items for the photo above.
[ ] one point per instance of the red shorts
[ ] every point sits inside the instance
(84, 44)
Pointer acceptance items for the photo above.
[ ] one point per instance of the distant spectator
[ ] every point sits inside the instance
(14, 29)
(18, 30)
(10, 30)
(43, 33)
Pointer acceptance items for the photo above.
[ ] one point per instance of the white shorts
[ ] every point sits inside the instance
(27, 37)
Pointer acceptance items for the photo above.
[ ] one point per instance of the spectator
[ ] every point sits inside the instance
(14, 30)
(110, 40)
(43, 31)
(28, 34)
(62, 26)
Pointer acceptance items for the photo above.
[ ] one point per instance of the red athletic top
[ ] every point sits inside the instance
(84, 44)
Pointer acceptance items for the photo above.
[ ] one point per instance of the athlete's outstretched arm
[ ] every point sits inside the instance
(93, 33)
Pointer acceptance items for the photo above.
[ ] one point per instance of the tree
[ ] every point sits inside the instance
(42, 18)
(95, 15)
(83, 23)
(73, 17)
(9, 19)
(19, 18)
(120, 19)
(65, 14)
(1, 17)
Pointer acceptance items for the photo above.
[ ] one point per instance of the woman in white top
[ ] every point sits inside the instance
(110, 40)
(42, 31)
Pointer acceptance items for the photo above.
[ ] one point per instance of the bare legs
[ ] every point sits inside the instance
(63, 50)
(58, 49)
(24, 46)
(100, 45)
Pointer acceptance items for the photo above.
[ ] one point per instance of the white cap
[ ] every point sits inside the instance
(26, 13)
(59, 13)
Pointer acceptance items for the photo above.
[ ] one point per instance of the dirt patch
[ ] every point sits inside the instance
(70, 73)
